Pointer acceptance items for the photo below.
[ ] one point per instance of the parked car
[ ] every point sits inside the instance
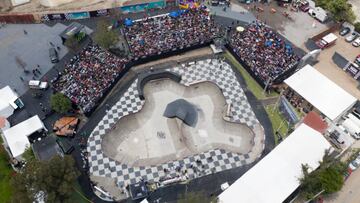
(351, 37)
(357, 59)
(344, 31)
(304, 6)
(37, 84)
(356, 42)
(53, 55)
(355, 164)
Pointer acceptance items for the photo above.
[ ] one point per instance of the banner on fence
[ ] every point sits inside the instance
(99, 13)
(77, 15)
(143, 7)
(59, 16)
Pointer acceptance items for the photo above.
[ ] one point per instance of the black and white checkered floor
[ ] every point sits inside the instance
(201, 164)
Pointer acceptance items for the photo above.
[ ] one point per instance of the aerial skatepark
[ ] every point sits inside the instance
(178, 123)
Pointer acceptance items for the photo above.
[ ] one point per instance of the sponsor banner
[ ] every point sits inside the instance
(78, 15)
(143, 7)
(98, 13)
(58, 16)
(352, 70)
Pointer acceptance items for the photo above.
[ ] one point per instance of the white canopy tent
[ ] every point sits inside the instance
(7, 99)
(326, 96)
(277, 175)
(16, 137)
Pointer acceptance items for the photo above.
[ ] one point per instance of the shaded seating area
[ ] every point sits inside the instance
(182, 110)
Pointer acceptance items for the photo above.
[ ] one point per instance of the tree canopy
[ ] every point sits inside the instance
(54, 178)
(340, 9)
(72, 43)
(329, 177)
(105, 37)
(357, 27)
(60, 103)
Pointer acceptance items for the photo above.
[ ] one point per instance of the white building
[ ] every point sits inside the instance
(16, 138)
(277, 175)
(9, 101)
(322, 93)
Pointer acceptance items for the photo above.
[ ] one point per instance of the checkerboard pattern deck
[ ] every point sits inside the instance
(195, 166)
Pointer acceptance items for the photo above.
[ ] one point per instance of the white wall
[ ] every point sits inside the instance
(54, 3)
(19, 2)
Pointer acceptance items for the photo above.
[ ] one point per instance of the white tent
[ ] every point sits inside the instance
(277, 175)
(326, 96)
(16, 137)
(7, 98)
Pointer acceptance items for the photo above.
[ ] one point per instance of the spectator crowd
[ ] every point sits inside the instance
(160, 34)
(263, 51)
(88, 75)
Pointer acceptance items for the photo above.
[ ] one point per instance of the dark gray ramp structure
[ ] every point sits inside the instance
(182, 110)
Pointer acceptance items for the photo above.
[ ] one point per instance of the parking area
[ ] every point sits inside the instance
(327, 66)
(290, 26)
(23, 48)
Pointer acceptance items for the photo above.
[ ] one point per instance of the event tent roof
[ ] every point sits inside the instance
(71, 30)
(321, 92)
(7, 98)
(17, 136)
(277, 175)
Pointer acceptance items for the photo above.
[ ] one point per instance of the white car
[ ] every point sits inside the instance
(356, 42)
(36, 84)
(351, 37)
(354, 164)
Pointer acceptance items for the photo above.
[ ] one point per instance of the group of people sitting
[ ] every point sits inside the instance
(161, 34)
(263, 51)
(88, 75)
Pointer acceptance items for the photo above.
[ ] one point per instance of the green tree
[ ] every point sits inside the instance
(55, 178)
(60, 103)
(28, 155)
(328, 178)
(72, 43)
(105, 37)
(340, 9)
(357, 27)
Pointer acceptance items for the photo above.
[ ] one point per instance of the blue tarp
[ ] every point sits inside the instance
(174, 14)
(268, 43)
(128, 22)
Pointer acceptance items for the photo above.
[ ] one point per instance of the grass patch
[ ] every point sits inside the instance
(251, 83)
(78, 195)
(278, 122)
(5, 175)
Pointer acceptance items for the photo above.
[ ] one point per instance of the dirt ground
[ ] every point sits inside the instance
(327, 67)
(140, 142)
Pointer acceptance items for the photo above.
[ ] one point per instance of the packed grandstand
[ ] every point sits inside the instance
(90, 73)
(261, 49)
(163, 33)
